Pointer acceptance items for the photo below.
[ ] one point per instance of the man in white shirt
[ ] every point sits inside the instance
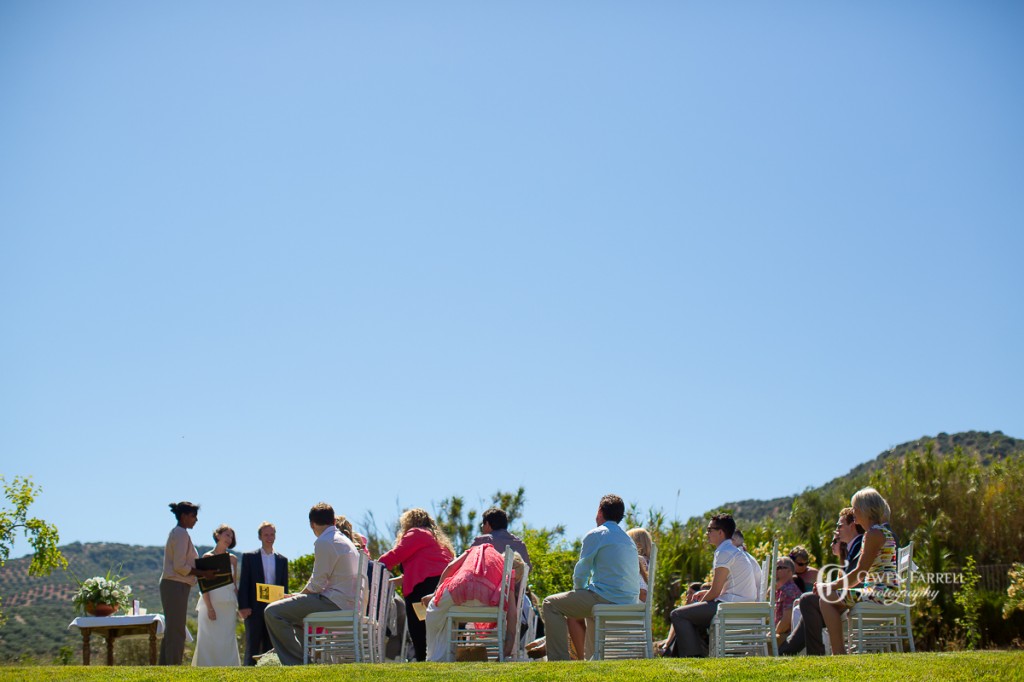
(733, 580)
(737, 539)
(332, 586)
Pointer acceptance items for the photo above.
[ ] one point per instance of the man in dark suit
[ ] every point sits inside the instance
(262, 565)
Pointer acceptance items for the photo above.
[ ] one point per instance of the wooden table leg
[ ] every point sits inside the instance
(85, 646)
(152, 643)
(110, 647)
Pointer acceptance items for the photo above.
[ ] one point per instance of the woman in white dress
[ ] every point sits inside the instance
(216, 644)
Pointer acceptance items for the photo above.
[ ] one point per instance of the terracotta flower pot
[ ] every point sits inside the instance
(100, 609)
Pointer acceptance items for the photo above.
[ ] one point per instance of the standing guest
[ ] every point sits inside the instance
(606, 573)
(495, 532)
(424, 551)
(266, 566)
(176, 582)
(875, 578)
(733, 580)
(805, 574)
(786, 594)
(216, 644)
(333, 586)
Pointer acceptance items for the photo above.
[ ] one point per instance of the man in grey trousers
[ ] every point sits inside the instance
(332, 587)
(734, 579)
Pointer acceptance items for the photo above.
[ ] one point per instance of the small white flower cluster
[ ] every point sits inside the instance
(103, 590)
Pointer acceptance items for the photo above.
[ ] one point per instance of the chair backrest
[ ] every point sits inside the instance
(652, 570)
(519, 606)
(362, 585)
(768, 576)
(905, 562)
(506, 579)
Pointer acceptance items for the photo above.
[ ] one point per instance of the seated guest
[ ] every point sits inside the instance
(875, 577)
(345, 526)
(333, 586)
(666, 646)
(606, 573)
(424, 551)
(737, 539)
(495, 528)
(642, 539)
(473, 579)
(732, 581)
(807, 633)
(786, 594)
(805, 575)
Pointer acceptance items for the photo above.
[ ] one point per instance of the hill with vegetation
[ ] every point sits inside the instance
(984, 446)
(39, 608)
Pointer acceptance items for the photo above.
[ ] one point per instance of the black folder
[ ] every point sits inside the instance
(218, 562)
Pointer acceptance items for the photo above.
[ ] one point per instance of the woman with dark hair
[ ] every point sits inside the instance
(216, 644)
(806, 575)
(424, 551)
(179, 576)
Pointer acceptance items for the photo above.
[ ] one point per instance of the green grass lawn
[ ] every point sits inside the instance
(933, 667)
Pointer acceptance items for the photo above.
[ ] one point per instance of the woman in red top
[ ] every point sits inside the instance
(424, 551)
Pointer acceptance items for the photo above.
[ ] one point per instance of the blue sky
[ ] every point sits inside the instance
(258, 256)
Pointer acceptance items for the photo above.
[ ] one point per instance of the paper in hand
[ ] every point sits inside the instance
(268, 594)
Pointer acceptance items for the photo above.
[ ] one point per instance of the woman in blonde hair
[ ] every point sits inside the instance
(423, 551)
(875, 578)
(642, 539)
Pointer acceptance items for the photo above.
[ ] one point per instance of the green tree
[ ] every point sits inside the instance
(449, 518)
(451, 510)
(44, 538)
(968, 599)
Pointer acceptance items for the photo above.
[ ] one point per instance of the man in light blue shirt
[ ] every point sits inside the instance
(607, 573)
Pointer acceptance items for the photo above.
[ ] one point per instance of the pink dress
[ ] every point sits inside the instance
(478, 578)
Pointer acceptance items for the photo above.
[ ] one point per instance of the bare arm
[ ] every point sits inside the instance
(718, 580)
(873, 541)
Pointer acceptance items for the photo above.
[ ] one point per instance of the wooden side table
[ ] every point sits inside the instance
(112, 627)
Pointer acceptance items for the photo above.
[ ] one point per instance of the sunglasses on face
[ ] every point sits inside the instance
(711, 528)
(800, 563)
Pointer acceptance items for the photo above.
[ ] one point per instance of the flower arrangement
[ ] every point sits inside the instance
(102, 591)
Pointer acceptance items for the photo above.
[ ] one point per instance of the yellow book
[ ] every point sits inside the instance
(268, 594)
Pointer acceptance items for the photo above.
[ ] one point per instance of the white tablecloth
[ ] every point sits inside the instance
(123, 621)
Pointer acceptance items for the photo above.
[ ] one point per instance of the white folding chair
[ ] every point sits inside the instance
(624, 630)
(337, 636)
(748, 628)
(373, 645)
(880, 628)
(493, 639)
(385, 602)
(531, 629)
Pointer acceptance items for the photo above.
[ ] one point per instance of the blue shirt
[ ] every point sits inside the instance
(609, 565)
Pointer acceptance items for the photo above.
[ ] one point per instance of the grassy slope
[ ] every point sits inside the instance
(993, 665)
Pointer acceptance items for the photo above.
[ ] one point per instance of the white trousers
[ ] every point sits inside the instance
(438, 648)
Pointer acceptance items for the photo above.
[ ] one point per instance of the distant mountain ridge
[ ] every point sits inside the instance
(987, 446)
